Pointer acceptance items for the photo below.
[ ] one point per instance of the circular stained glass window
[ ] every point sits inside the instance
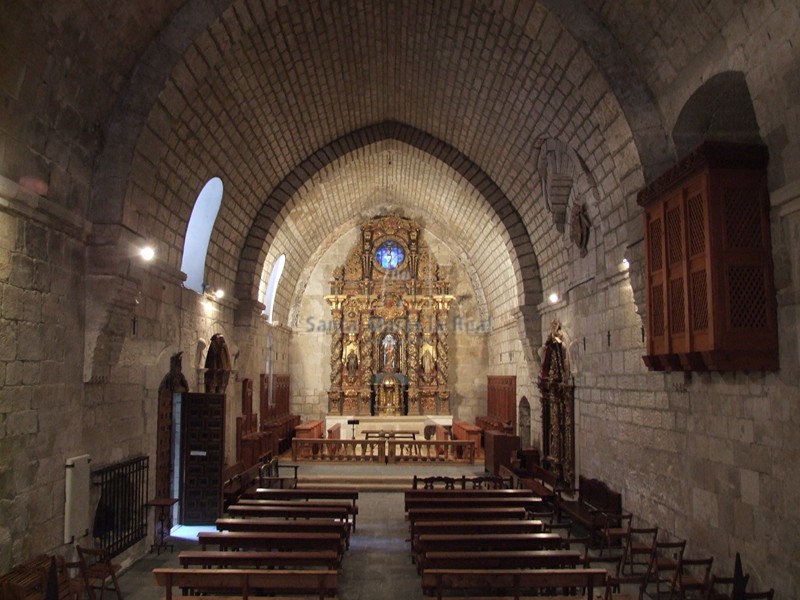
(390, 255)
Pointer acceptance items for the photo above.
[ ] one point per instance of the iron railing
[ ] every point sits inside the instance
(120, 519)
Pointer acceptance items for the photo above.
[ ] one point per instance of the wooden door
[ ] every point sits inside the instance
(202, 456)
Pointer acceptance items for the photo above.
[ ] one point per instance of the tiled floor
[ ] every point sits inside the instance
(378, 563)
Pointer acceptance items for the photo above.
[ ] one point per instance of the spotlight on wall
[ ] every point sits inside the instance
(147, 253)
(553, 297)
(212, 292)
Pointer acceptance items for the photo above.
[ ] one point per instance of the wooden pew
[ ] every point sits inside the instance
(308, 493)
(351, 508)
(489, 582)
(341, 528)
(543, 486)
(497, 528)
(415, 496)
(290, 512)
(502, 559)
(304, 493)
(248, 582)
(500, 527)
(478, 542)
(321, 559)
(466, 514)
(531, 503)
(254, 540)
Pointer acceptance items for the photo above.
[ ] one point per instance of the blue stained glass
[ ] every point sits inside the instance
(390, 255)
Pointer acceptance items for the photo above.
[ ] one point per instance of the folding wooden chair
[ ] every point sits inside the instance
(721, 588)
(615, 530)
(98, 572)
(664, 566)
(639, 542)
(693, 578)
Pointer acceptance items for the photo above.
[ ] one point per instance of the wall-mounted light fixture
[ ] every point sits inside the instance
(212, 292)
(553, 297)
(147, 253)
(625, 264)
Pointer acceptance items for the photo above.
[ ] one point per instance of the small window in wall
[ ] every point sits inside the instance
(272, 286)
(198, 234)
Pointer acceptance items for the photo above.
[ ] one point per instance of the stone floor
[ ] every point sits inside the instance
(377, 565)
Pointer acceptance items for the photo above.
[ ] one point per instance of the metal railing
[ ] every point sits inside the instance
(120, 519)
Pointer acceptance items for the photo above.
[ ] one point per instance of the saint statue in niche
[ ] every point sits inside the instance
(389, 354)
(428, 361)
(218, 365)
(555, 363)
(579, 228)
(352, 364)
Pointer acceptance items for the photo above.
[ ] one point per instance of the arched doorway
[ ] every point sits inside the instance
(524, 421)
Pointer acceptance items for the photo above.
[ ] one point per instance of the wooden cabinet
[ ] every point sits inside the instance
(710, 292)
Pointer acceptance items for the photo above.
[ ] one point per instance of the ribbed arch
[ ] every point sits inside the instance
(272, 214)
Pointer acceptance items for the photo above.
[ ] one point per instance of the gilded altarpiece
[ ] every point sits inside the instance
(389, 306)
(558, 407)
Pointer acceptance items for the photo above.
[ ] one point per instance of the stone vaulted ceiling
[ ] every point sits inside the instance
(282, 100)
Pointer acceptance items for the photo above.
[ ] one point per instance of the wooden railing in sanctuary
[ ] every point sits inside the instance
(431, 451)
(339, 450)
(383, 450)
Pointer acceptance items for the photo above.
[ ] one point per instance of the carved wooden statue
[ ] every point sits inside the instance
(218, 365)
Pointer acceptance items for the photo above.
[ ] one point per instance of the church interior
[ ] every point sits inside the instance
(388, 227)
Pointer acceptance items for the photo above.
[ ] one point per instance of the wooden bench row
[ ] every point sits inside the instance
(247, 583)
(349, 507)
(303, 526)
(254, 540)
(436, 583)
(317, 559)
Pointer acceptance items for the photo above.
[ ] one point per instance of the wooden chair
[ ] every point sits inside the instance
(639, 542)
(615, 530)
(693, 578)
(721, 588)
(664, 566)
(98, 572)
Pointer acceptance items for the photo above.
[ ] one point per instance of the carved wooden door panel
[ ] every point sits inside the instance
(202, 456)
(164, 445)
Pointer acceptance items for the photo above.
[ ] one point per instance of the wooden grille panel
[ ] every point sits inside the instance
(674, 241)
(747, 300)
(742, 218)
(698, 294)
(656, 260)
(677, 323)
(696, 225)
(657, 312)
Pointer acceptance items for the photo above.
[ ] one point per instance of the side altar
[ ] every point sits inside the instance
(389, 305)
